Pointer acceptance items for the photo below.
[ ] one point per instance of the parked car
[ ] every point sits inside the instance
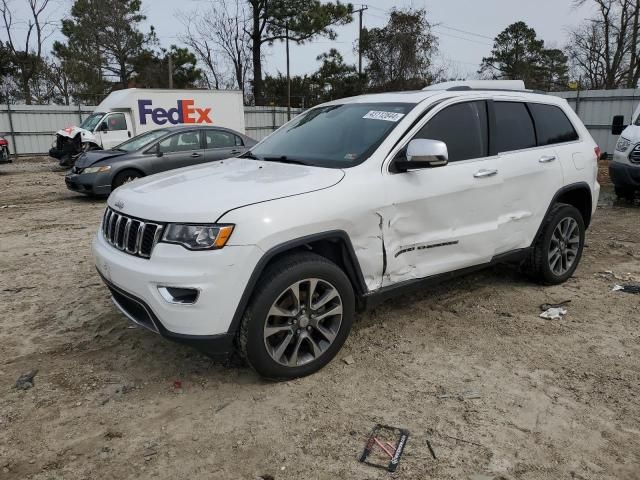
(4, 150)
(130, 112)
(101, 171)
(624, 168)
(350, 202)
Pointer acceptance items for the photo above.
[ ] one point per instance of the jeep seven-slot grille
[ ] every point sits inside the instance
(131, 235)
(634, 156)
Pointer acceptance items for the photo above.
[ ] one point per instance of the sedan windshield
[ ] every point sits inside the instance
(335, 136)
(92, 121)
(141, 141)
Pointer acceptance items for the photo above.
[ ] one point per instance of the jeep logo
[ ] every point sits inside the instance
(185, 112)
(119, 204)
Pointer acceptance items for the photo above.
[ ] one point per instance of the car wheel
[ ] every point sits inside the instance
(125, 176)
(298, 318)
(558, 249)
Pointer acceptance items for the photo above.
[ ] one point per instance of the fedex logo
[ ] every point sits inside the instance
(185, 112)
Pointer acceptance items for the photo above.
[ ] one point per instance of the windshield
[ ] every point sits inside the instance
(141, 141)
(92, 121)
(335, 136)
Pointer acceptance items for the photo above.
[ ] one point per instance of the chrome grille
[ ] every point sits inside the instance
(131, 235)
(634, 156)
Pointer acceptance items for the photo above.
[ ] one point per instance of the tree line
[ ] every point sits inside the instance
(104, 46)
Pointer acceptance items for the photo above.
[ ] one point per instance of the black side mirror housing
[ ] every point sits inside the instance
(103, 127)
(617, 125)
(159, 152)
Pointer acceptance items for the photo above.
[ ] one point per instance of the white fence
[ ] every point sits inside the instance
(30, 129)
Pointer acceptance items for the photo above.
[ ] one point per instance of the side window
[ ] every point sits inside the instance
(180, 142)
(116, 121)
(463, 127)
(552, 125)
(514, 127)
(221, 139)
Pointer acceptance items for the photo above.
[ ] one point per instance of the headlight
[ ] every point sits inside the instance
(198, 237)
(104, 168)
(623, 144)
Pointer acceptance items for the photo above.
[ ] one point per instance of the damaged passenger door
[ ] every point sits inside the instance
(444, 218)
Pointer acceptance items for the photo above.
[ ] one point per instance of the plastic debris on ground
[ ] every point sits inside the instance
(26, 380)
(555, 313)
(627, 288)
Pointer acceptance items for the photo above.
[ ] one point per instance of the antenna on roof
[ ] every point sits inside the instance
(479, 85)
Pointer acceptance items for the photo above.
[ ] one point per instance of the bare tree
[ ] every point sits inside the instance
(604, 49)
(219, 37)
(27, 58)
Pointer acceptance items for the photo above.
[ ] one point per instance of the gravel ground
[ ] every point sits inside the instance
(556, 399)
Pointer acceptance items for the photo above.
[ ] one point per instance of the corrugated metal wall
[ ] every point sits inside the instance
(596, 109)
(34, 126)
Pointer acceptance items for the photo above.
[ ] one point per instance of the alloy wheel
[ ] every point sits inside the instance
(564, 246)
(303, 322)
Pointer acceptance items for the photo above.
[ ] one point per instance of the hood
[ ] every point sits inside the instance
(71, 132)
(203, 193)
(632, 133)
(94, 156)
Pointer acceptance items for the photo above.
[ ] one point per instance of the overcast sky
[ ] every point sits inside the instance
(465, 28)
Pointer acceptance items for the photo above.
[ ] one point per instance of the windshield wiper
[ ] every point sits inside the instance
(250, 155)
(284, 159)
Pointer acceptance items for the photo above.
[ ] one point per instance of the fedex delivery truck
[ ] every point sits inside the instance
(127, 113)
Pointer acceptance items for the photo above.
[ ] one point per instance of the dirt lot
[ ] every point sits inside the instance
(557, 399)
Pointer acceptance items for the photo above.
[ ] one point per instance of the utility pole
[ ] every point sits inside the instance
(360, 10)
(288, 75)
(170, 61)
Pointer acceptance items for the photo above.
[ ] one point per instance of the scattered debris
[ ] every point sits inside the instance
(479, 476)
(465, 395)
(26, 380)
(554, 313)
(349, 360)
(433, 454)
(177, 384)
(547, 306)
(8, 206)
(390, 443)
(17, 289)
(223, 406)
(627, 288)
(266, 477)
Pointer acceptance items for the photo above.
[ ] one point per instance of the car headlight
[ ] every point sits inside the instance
(623, 144)
(198, 237)
(104, 168)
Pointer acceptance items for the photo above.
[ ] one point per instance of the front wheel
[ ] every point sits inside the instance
(558, 249)
(125, 176)
(299, 317)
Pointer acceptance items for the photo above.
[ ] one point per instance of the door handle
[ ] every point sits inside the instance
(195, 155)
(485, 173)
(547, 158)
(235, 151)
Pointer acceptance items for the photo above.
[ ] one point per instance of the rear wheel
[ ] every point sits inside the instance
(125, 176)
(558, 249)
(299, 317)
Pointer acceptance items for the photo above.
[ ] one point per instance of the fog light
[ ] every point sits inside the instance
(179, 295)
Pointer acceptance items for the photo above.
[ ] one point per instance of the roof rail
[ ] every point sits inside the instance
(511, 85)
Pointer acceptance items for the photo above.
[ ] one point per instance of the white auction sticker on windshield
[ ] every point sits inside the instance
(386, 116)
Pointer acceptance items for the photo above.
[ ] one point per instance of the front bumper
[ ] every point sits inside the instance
(219, 275)
(624, 175)
(89, 183)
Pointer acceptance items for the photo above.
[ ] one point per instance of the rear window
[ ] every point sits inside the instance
(552, 125)
(514, 127)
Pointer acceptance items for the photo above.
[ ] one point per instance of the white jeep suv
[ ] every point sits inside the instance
(272, 253)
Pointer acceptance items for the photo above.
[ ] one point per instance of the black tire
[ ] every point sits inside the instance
(539, 265)
(275, 280)
(625, 193)
(125, 176)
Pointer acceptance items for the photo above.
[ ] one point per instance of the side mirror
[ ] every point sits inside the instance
(159, 152)
(617, 125)
(422, 153)
(103, 127)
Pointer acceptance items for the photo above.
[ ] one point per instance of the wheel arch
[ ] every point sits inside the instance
(575, 194)
(125, 168)
(334, 245)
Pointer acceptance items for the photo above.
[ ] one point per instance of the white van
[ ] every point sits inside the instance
(624, 169)
(127, 113)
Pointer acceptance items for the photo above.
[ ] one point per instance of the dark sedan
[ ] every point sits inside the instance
(99, 172)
